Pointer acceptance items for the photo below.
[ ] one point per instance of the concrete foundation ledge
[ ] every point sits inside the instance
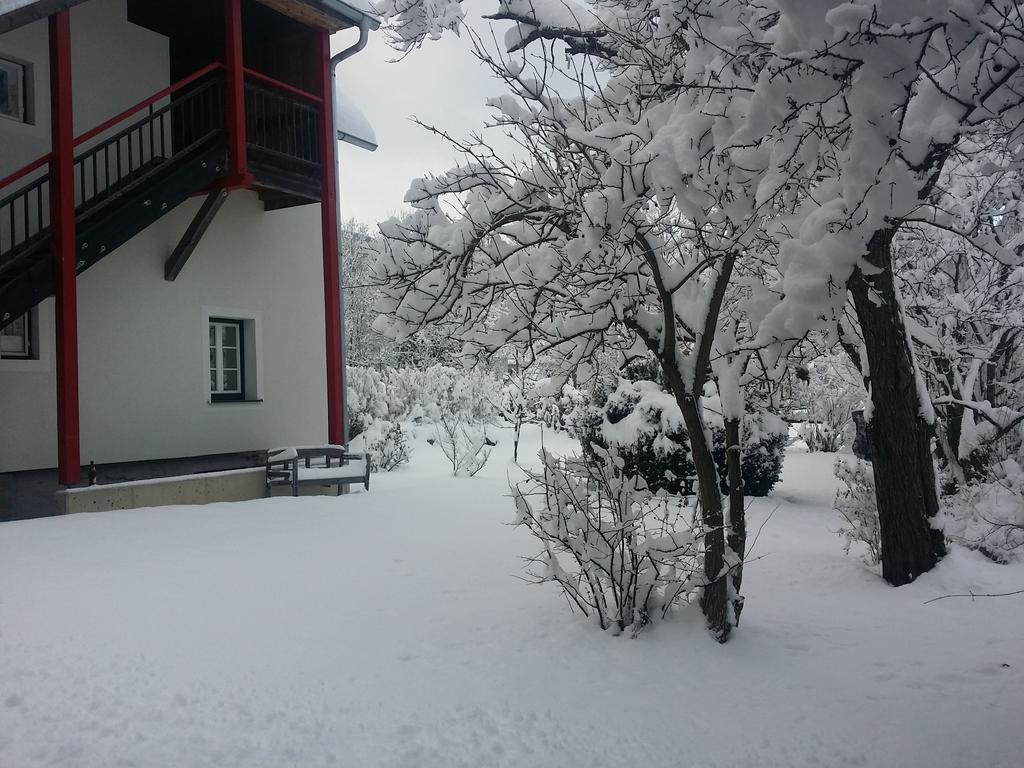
(204, 488)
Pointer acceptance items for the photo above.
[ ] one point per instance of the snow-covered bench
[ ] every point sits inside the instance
(316, 465)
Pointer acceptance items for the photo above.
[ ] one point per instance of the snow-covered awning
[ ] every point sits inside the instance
(351, 124)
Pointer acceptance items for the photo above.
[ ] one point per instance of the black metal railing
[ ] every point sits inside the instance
(164, 134)
(119, 157)
(24, 215)
(283, 128)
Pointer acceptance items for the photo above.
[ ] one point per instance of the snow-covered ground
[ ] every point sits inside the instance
(389, 629)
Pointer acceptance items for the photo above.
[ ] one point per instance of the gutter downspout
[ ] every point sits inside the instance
(352, 50)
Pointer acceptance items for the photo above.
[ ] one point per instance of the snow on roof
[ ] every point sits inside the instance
(362, 6)
(357, 11)
(351, 124)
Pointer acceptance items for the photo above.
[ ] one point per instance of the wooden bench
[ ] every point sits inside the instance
(317, 465)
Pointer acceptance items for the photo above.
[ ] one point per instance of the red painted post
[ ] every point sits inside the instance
(64, 249)
(235, 94)
(329, 225)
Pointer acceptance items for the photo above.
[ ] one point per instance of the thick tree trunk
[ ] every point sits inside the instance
(737, 538)
(901, 437)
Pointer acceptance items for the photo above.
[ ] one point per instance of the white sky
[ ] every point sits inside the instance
(441, 83)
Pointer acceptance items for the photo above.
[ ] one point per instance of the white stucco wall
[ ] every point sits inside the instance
(143, 344)
(115, 65)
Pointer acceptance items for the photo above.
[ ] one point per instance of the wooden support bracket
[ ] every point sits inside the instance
(204, 216)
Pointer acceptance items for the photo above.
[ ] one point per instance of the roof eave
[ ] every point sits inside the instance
(348, 12)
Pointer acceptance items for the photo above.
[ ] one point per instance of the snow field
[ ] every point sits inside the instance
(388, 629)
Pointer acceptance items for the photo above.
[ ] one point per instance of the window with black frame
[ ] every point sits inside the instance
(14, 87)
(227, 360)
(16, 339)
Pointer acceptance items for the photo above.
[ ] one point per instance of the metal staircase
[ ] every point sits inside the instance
(130, 172)
(138, 166)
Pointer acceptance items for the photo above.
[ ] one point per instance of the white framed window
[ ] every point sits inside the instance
(227, 360)
(16, 339)
(15, 90)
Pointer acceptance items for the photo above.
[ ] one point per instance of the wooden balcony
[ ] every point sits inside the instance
(282, 135)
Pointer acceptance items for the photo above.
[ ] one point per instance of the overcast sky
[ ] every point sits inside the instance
(442, 84)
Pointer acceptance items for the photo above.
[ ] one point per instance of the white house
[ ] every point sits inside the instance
(168, 228)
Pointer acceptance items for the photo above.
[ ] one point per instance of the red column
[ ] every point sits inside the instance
(62, 226)
(235, 93)
(329, 225)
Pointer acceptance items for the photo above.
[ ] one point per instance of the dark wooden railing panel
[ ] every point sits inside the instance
(282, 125)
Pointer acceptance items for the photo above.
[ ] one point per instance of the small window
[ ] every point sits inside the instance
(227, 360)
(16, 339)
(14, 90)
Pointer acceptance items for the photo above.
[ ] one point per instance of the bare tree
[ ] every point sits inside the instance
(572, 251)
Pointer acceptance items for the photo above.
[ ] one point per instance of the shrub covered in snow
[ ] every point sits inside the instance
(465, 445)
(423, 396)
(387, 445)
(855, 501)
(989, 516)
(428, 395)
(820, 436)
(525, 398)
(833, 390)
(764, 437)
(555, 411)
(643, 423)
(365, 398)
(620, 553)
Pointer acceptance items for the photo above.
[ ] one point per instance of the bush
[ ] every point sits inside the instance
(365, 399)
(421, 396)
(353, 423)
(856, 503)
(834, 389)
(466, 446)
(764, 437)
(643, 423)
(620, 554)
(821, 437)
(989, 516)
(387, 446)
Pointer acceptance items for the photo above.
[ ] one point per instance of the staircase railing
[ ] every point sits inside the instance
(23, 216)
(172, 124)
(282, 126)
(162, 135)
